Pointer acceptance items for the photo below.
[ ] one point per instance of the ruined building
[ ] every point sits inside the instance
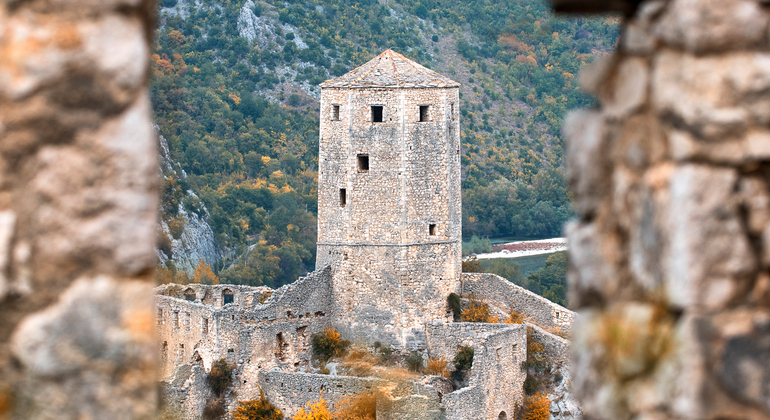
(389, 254)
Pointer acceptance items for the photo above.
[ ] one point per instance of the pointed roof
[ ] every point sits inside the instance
(390, 70)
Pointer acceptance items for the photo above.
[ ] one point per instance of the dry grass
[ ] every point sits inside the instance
(437, 366)
(357, 407)
(558, 331)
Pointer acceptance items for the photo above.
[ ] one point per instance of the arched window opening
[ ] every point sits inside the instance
(189, 294)
(227, 297)
(502, 416)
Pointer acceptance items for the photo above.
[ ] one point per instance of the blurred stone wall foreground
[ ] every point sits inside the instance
(77, 210)
(670, 255)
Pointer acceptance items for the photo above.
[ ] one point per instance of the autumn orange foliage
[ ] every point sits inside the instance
(537, 407)
(315, 411)
(477, 311)
(357, 407)
(203, 274)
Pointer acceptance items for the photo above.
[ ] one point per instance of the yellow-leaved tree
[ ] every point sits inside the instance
(204, 275)
(315, 411)
(537, 407)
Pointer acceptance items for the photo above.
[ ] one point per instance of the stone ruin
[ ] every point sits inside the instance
(389, 255)
(669, 257)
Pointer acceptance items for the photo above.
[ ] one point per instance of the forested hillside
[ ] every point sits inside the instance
(234, 93)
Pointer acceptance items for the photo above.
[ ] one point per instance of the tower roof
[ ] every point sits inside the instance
(390, 70)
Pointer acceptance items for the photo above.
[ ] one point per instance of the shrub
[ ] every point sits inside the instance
(464, 358)
(214, 409)
(260, 409)
(537, 407)
(328, 344)
(515, 318)
(315, 411)
(530, 385)
(471, 265)
(164, 245)
(413, 361)
(536, 359)
(176, 227)
(220, 377)
(437, 366)
(357, 407)
(453, 300)
(385, 353)
(477, 311)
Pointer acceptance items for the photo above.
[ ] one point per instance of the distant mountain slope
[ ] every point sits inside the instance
(235, 94)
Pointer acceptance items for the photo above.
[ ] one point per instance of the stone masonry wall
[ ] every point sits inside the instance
(78, 200)
(507, 296)
(291, 391)
(496, 378)
(392, 270)
(252, 335)
(670, 256)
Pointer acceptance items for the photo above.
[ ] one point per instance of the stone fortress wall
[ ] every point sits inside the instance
(507, 296)
(268, 343)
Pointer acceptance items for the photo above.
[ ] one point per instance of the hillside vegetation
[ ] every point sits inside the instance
(235, 94)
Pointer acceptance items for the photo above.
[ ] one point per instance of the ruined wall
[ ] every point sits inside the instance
(670, 255)
(251, 335)
(507, 296)
(78, 206)
(496, 378)
(392, 269)
(291, 391)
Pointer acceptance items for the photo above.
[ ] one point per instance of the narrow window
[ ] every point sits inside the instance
(423, 113)
(160, 316)
(227, 297)
(205, 325)
(376, 113)
(176, 319)
(432, 229)
(335, 112)
(164, 353)
(343, 197)
(452, 111)
(181, 352)
(363, 163)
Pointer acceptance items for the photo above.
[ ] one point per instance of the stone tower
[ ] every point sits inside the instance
(389, 216)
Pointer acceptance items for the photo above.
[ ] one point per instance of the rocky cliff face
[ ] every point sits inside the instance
(189, 233)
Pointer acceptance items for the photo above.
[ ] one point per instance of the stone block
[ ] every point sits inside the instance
(591, 276)
(98, 328)
(7, 226)
(701, 26)
(709, 255)
(627, 90)
(638, 37)
(586, 144)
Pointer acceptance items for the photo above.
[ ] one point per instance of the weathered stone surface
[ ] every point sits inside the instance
(584, 152)
(709, 252)
(669, 258)
(713, 25)
(78, 202)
